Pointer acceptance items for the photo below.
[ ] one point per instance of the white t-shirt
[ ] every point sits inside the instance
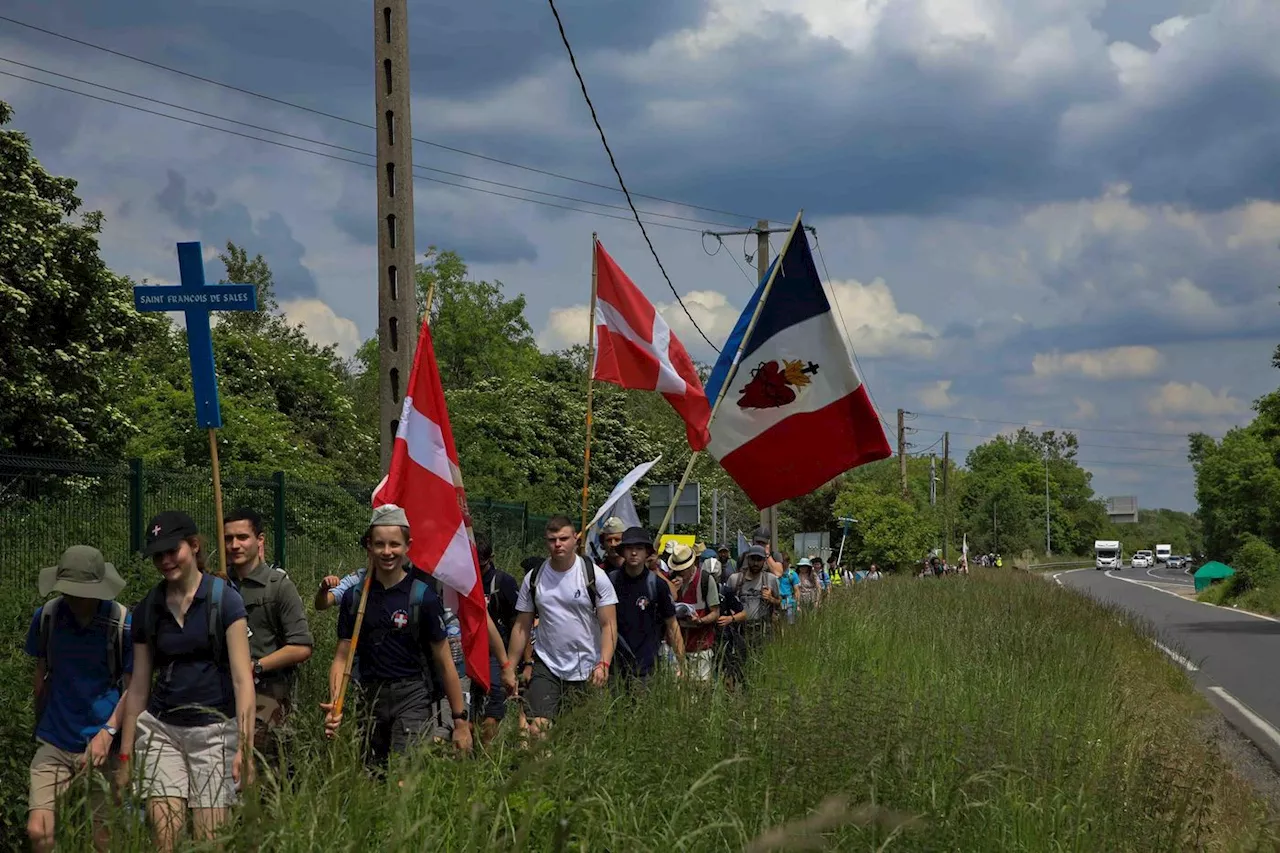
(568, 628)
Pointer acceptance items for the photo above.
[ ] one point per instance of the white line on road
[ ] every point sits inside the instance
(1248, 713)
(1176, 658)
(1192, 600)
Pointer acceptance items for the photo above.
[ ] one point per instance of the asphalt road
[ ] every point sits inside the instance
(1229, 654)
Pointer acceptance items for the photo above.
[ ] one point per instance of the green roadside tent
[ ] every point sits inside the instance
(1210, 572)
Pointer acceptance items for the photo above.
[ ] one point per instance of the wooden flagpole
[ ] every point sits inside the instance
(591, 357)
(355, 640)
(217, 503)
(733, 371)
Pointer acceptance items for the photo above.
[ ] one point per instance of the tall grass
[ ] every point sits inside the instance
(996, 712)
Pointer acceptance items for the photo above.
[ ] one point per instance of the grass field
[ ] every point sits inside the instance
(997, 712)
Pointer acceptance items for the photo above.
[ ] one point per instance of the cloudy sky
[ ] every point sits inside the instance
(1057, 212)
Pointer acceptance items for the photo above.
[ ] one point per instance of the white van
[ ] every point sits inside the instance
(1163, 553)
(1106, 554)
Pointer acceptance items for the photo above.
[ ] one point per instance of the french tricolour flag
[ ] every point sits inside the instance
(635, 348)
(426, 482)
(796, 414)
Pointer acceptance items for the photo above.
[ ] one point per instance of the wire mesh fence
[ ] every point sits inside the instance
(312, 529)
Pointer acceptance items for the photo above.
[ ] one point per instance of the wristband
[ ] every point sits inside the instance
(603, 663)
(508, 665)
(122, 756)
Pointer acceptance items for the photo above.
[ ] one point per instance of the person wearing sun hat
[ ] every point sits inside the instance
(84, 661)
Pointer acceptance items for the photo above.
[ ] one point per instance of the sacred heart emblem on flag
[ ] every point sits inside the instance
(775, 383)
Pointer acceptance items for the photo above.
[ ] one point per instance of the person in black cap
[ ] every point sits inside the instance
(84, 657)
(194, 728)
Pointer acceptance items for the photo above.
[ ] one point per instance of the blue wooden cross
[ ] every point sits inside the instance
(196, 299)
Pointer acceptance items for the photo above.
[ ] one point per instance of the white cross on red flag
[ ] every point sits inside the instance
(635, 348)
(425, 480)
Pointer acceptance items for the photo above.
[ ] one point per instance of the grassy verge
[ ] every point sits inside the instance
(1230, 593)
(996, 712)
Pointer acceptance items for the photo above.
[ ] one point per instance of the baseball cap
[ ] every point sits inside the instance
(166, 531)
(762, 534)
(83, 572)
(753, 551)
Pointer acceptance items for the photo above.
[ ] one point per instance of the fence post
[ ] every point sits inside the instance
(135, 506)
(278, 478)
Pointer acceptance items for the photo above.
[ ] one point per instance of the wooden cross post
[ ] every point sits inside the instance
(195, 300)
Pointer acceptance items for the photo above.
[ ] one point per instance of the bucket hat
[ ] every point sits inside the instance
(636, 536)
(83, 572)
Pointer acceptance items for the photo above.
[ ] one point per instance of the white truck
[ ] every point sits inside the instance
(1106, 554)
(1163, 552)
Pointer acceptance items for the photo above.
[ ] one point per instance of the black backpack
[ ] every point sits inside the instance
(146, 612)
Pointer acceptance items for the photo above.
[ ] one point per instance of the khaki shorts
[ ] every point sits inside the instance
(191, 763)
(53, 769)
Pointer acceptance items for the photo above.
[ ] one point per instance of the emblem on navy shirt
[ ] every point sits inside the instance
(643, 603)
(399, 619)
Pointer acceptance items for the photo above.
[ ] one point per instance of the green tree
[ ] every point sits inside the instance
(478, 333)
(890, 531)
(66, 321)
(241, 269)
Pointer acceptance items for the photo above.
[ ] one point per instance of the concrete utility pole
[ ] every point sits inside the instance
(1048, 537)
(902, 450)
(397, 286)
(946, 497)
(933, 479)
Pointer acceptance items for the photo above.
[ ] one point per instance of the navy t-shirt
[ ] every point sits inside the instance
(386, 650)
(500, 593)
(80, 693)
(644, 605)
(190, 687)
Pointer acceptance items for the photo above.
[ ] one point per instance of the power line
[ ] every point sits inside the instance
(1048, 427)
(344, 148)
(338, 158)
(365, 125)
(582, 84)
(1079, 444)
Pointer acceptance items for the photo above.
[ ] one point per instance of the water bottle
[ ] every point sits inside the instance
(453, 630)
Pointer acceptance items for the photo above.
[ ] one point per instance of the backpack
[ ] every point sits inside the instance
(146, 611)
(453, 630)
(592, 592)
(115, 638)
(650, 588)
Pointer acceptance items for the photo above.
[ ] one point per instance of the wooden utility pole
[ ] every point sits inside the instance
(946, 497)
(768, 516)
(902, 451)
(397, 264)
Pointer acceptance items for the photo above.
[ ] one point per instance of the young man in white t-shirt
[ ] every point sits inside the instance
(576, 636)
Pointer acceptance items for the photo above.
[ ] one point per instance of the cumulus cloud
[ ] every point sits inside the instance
(1085, 410)
(875, 325)
(712, 311)
(565, 327)
(937, 395)
(1128, 362)
(323, 325)
(1192, 398)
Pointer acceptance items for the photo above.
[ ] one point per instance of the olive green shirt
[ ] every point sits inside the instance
(275, 615)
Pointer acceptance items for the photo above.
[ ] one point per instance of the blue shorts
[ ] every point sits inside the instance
(491, 705)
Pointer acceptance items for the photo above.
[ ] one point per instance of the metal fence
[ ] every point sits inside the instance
(48, 504)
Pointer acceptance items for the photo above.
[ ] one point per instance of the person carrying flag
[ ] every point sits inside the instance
(402, 650)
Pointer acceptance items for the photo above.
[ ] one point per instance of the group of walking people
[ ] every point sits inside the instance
(173, 698)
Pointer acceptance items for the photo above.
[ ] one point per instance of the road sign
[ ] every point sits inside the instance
(195, 299)
(813, 544)
(687, 508)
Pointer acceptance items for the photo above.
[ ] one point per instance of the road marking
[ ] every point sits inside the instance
(1176, 658)
(1193, 600)
(1248, 713)
(1057, 576)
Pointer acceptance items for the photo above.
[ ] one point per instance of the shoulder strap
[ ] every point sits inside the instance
(651, 587)
(533, 588)
(706, 585)
(116, 641)
(217, 631)
(47, 615)
(417, 594)
(592, 592)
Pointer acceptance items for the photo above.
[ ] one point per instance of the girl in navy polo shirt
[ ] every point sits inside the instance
(397, 661)
(195, 724)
